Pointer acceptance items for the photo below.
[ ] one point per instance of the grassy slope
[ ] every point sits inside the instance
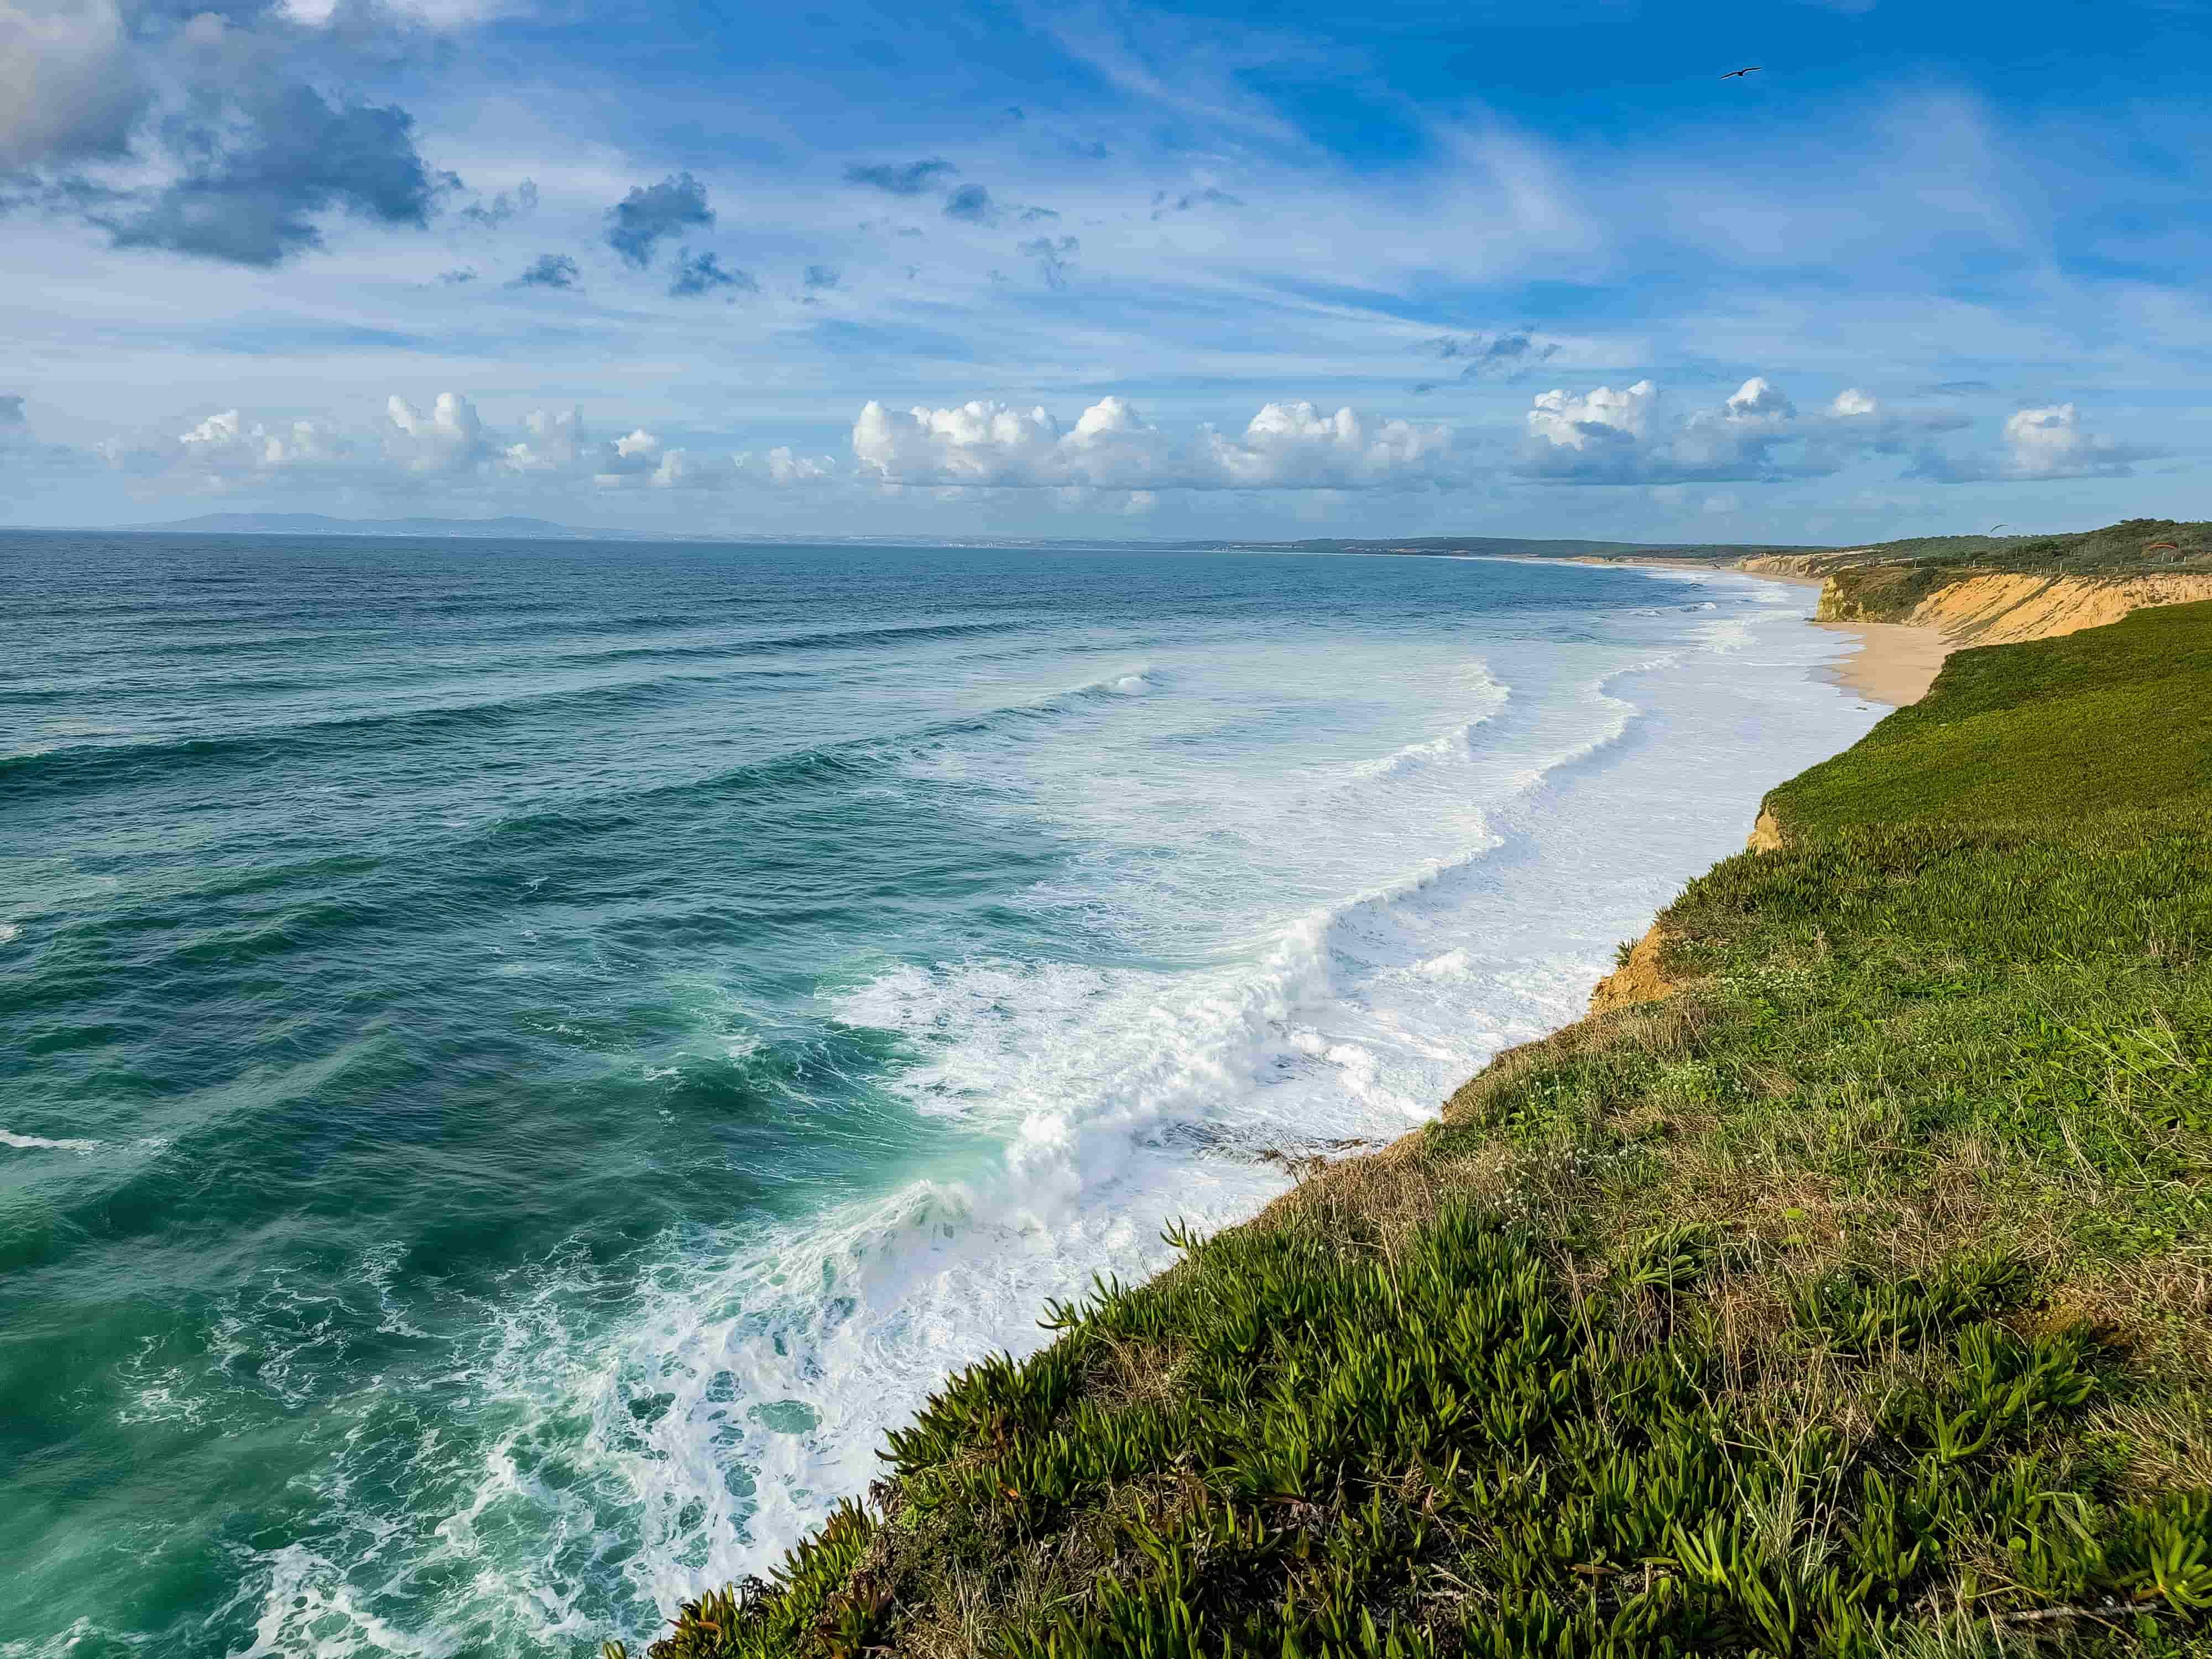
(1856, 1299)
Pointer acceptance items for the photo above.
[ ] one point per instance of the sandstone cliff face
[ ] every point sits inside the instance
(1992, 608)
(2006, 609)
(1766, 834)
(1638, 980)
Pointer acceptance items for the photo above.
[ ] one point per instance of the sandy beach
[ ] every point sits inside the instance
(1894, 664)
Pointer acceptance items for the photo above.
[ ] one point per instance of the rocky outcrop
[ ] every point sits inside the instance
(1637, 979)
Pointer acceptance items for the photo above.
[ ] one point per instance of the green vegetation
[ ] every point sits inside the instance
(2132, 545)
(1856, 1299)
(1883, 582)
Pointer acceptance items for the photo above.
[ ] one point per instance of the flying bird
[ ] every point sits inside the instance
(1732, 74)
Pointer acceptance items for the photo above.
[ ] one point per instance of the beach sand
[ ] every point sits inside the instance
(1894, 664)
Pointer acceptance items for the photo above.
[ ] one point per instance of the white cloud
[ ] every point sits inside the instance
(1755, 434)
(556, 444)
(448, 445)
(449, 439)
(784, 467)
(1288, 446)
(1111, 460)
(2051, 443)
(1565, 422)
(685, 469)
(226, 446)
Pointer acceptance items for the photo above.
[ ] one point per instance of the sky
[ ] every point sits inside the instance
(1222, 268)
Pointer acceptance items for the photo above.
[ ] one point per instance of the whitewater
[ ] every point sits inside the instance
(523, 1063)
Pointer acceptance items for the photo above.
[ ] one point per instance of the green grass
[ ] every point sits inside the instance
(2049, 734)
(1855, 1300)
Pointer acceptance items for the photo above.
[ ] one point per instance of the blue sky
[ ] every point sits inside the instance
(1070, 269)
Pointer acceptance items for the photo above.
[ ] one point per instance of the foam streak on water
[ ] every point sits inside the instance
(559, 1049)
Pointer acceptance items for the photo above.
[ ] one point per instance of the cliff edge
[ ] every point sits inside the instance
(1848, 1301)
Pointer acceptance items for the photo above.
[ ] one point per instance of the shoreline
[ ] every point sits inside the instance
(1893, 664)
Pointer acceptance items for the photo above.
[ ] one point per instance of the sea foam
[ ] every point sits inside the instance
(1314, 883)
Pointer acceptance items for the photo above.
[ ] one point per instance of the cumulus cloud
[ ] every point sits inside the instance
(2036, 444)
(555, 441)
(649, 214)
(555, 270)
(2051, 443)
(683, 469)
(449, 438)
(909, 178)
(446, 447)
(227, 443)
(1055, 258)
(1756, 434)
(972, 205)
(702, 273)
(556, 444)
(1110, 446)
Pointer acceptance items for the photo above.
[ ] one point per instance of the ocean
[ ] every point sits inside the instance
(517, 1063)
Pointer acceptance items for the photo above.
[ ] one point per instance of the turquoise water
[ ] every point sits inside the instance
(520, 1060)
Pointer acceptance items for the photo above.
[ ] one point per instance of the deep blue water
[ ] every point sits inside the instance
(517, 1062)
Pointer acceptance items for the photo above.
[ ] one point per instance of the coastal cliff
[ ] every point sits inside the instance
(1838, 1287)
(2004, 608)
(1987, 591)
